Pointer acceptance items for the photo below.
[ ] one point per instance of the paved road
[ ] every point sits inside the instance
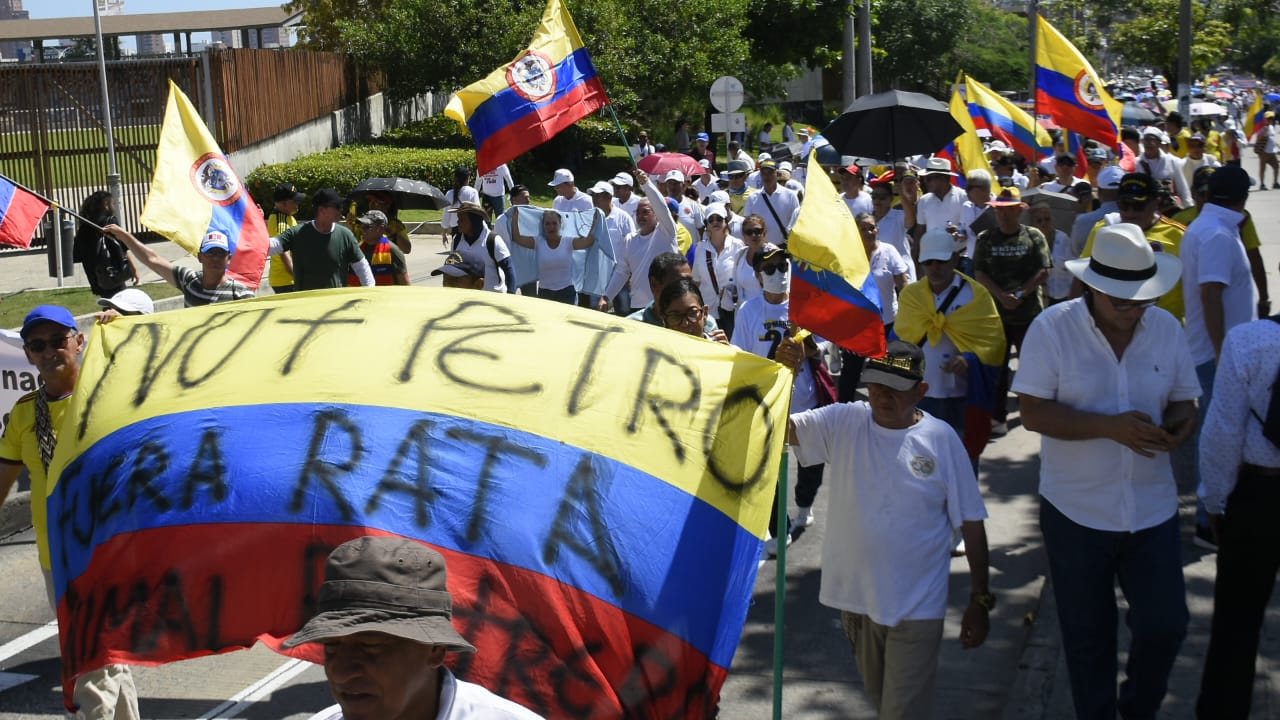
(1017, 674)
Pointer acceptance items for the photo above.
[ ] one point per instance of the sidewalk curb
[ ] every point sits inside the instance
(1032, 688)
(15, 514)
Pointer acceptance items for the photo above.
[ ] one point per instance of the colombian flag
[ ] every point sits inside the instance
(976, 330)
(968, 146)
(832, 291)
(195, 190)
(1069, 91)
(1006, 122)
(547, 88)
(1256, 118)
(20, 214)
(602, 511)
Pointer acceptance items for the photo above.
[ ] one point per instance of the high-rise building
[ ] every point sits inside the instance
(228, 38)
(12, 10)
(152, 44)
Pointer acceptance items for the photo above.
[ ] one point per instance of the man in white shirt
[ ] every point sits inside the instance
(900, 486)
(1217, 290)
(619, 224)
(1163, 166)
(978, 198)
(385, 619)
(1196, 158)
(1065, 171)
(774, 203)
(1240, 486)
(568, 197)
(853, 190)
(1108, 381)
(453, 197)
(624, 197)
(705, 182)
(493, 187)
(690, 213)
(483, 247)
(944, 202)
(1108, 191)
(655, 234)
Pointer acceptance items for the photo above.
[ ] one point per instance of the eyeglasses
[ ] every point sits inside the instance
(683, 318)
(715, 219)
(881, 196)
(38, 345)
(1123, 305)
(771, 269)
(868, 230)
(753, 231)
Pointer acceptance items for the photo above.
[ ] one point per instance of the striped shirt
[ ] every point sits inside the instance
(191, 283)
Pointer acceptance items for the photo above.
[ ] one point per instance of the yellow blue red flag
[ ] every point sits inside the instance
(832, 291)
(968, 146)
(195, 190)
(1256, 118)
(548, 87)
(599, 487)
(1006, 122)
(1069, 90)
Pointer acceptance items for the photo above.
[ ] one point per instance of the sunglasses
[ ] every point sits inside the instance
(683, 318)
(39, 345)
(753, 231)
(881, 196)
(1123, 305)
(715, 219)
(774, 268)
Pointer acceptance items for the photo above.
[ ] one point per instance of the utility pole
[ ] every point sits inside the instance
(113, 172)
(1033, 22)
(1184, 60)
(864, 49)
(849, 85)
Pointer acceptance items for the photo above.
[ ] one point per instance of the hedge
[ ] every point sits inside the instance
(437, 131)
(345, 167)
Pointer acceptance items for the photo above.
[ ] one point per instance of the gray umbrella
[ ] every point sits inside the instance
(408, 194)
(1135, 114)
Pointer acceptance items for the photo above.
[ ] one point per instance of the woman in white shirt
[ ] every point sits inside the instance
(714, 261)
(555, 257)
(745, 278)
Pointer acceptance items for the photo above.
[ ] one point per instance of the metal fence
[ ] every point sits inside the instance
(52, 130)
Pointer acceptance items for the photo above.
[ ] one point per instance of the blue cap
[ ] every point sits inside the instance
(48, 313)
(673, 206)
(703, 136)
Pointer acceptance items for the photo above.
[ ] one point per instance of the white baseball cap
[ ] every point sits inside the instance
(1109, 177)
(130, 301)
(623, 179)
(937, 244)
(601, 187)
(673, 175)
(561, 177)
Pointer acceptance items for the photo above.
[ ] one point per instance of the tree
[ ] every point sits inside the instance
(996, 49)
(655, 57)
(1151, 38)
(914, 42)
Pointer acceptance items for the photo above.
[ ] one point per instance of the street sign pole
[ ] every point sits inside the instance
(727, 96)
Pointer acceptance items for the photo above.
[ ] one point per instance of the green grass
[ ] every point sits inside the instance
(135, 149)
(79, 300)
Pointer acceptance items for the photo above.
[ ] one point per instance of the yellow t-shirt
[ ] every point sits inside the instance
(278, 222)
(1180, 148)
(20, 445)
(1167, 235)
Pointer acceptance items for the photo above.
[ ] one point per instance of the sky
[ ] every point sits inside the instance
(77, 8)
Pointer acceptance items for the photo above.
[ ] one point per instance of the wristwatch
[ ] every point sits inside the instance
(986, 600)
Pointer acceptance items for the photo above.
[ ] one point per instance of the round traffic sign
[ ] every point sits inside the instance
(727, 94)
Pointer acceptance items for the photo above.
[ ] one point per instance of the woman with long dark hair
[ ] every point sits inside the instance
(105, 280)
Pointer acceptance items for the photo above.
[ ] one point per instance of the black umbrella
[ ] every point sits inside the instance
(892, 125)
(408, 194)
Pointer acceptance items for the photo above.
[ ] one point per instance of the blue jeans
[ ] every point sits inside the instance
(1085, 564)
(1204, 373)
(497, 202)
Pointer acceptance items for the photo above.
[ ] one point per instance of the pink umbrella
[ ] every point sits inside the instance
(659, 164)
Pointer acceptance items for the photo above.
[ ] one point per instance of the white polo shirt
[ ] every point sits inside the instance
(1100, 483)
(1211, 252)
(784, 201)
(895, 496)
(936, 212)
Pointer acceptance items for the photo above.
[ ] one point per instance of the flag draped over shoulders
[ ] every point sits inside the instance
(195, 190)
(976, 330)
(832, 291)
(548, 87)
(592, 268)
(1069, 91)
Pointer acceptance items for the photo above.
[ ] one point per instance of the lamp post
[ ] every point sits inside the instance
(113, 173)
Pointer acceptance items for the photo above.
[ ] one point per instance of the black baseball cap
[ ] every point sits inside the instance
(1139, 187)
(287, 191)
(328, 197)
(1230, 184)
(901, 368)
(457, 265)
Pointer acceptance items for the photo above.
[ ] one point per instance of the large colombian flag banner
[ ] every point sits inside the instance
(547, 88)
(1006, 122)
(599, 487)
(1256, 117)
(832, 291)
(20, 214)
(1069, 91)
(195, 190)
(968, 146)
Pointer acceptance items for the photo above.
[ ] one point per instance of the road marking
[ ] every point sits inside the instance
(258, 691)
(25, 642)
(8, 681)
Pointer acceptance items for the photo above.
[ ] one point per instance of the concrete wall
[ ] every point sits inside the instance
(353, 123)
